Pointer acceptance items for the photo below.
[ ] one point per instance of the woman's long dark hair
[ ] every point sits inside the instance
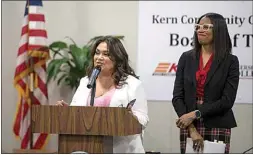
(119, 57)
(221, 40)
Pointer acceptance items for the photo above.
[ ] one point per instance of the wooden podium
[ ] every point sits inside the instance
(80, 128)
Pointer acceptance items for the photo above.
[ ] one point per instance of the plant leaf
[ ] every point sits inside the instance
(87, 54)
(58, 45)
(50, 70)
(70, 82)
(53, 68)
(71, 39)
(61, 78)
(79, 56)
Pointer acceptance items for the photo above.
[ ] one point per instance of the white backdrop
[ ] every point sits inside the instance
(166, 31)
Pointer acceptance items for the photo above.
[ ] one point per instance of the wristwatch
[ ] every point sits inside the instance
(197, 114)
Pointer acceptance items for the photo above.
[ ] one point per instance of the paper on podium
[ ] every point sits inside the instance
(209, 147)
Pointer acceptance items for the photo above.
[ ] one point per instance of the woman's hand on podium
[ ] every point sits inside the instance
(129, 109)
(61, 103)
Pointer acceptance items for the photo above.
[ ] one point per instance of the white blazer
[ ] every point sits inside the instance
(132, 90)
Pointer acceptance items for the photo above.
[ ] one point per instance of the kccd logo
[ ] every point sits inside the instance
(165, 69)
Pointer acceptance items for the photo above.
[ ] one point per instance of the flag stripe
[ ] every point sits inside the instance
(42, 87)
(22, 84)
(41, 139)
(24, 21)
(42, 72)
(36, 10)
(36, 17)
(35, 47)
(25, 141)
(22, 57)
(24, 30)
(37, 41)
(37, 25)
(38, 33)
(22, 49)
(21, 68)
(23, 40)
(36, 101)
(17, 121)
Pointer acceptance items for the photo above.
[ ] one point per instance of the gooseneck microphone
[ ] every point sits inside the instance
(93, 77)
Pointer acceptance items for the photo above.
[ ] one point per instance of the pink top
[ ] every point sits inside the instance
(104, 100)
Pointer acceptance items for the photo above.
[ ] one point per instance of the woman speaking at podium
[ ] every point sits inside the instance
(116, 86)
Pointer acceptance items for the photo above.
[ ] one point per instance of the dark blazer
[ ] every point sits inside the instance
(219, 90)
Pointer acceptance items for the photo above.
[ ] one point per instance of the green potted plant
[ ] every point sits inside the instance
(72, 62)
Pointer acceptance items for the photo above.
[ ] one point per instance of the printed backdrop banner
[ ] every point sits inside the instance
(166, 30)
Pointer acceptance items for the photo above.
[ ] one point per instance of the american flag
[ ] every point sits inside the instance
(33, 39)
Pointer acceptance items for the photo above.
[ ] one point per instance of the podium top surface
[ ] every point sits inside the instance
(84, 120)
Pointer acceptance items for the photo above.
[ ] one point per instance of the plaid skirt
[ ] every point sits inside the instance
(210, 134)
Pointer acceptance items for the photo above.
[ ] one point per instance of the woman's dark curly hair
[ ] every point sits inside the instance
(119, 57)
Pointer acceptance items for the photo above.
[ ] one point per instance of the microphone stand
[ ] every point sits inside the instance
(92, 96)
(92, 84)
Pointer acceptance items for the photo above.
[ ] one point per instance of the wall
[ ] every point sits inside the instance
(82, 21)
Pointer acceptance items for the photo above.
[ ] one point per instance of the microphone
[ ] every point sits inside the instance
(93, 76)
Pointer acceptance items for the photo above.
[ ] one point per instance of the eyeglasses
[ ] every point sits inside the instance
(204, 27)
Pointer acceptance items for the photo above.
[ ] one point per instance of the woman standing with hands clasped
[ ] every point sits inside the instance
(206, 85)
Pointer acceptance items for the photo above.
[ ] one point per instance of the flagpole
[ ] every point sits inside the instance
(30, 82)
(31, 98)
